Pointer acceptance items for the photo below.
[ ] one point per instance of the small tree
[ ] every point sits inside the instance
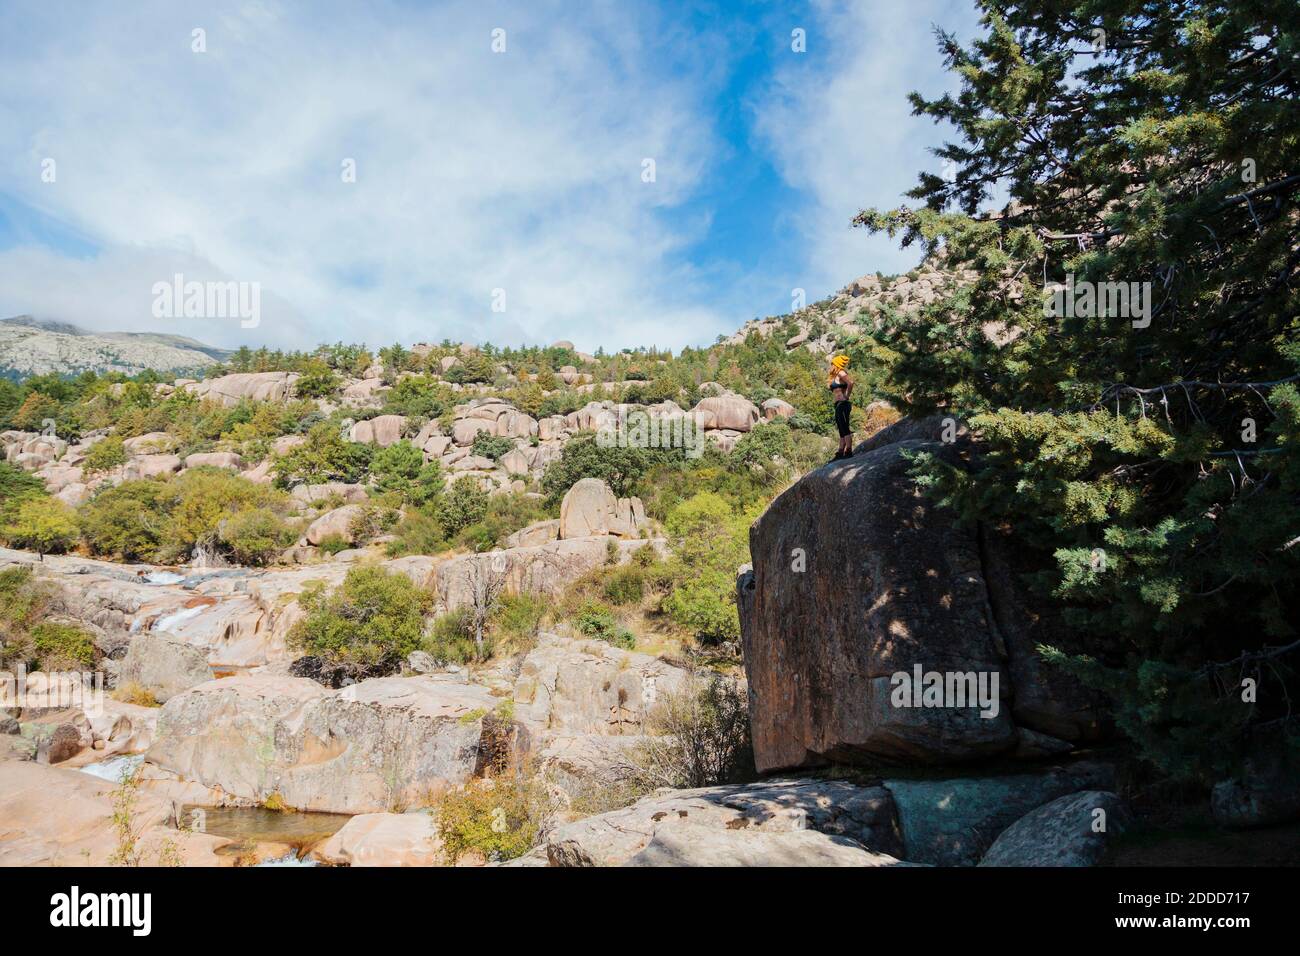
(43, 525)
(487, 582)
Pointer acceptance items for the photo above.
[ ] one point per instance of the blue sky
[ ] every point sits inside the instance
(478, 172)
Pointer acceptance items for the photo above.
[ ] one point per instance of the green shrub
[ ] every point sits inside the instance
(62, 647)
(518, 619)
(499, 817)
(372, 616)
(598, 620)
(624, 585)
(106, 454)
(43, 525)
(464, 503)
(417, 533)
(200, 500)
(451, 639)
(125, 521)
(317, 380)
(582, 457)
(324, 456)
(491, 446)
(332, 544)
(255, 535)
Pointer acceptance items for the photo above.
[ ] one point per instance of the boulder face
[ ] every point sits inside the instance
(590, 508)
(1070, 831)
(859, 580)
(856, 578)
(373, 746)
(781, 823)
(590, 687)
(230, 390)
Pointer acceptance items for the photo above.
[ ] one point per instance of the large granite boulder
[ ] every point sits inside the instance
(954, 822)
(164, 666)
(383, 839)
(230, 390)
(338, 523)
(1073, 830)
(732, 412)
(374, 746)
(858, 577)
(775, 823)
(590, 687)
(383, 430)
(591, 508)
(215, 459)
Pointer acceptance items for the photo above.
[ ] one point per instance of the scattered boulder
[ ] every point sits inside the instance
(590, 508)
(383, 430)
(733, 412)
(164, 666)
(383, 839)
(954, 822)
(1073, 830)
(756, 824)
(337, 523)
(151, 466)
(370, 747)
(774, 408)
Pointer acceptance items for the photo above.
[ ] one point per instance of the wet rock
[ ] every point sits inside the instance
(1073, 830)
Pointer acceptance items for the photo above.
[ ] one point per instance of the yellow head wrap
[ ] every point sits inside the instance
(840, 363)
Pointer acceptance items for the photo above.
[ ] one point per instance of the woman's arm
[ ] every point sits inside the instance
(848, 392)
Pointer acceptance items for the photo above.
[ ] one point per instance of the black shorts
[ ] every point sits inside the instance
(842, 408)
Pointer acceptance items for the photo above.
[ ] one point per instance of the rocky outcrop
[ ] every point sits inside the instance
(954, 822)
(374, 746)
(858, 577)
(383, 430)
(590, 687)
(163, 666)
(776, 823)
(875, 626)
(590, 508)
(732, 412)
(230, 390)
(338, 523)
(216, 459)
(383, 839)
(81, 830)
(1070, 831)
(537, 569)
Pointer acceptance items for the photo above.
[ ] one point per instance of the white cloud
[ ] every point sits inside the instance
(475, 170)
(840, 128)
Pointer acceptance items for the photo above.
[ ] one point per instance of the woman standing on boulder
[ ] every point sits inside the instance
(841, 386)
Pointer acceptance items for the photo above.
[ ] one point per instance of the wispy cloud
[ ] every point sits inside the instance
(475, 171)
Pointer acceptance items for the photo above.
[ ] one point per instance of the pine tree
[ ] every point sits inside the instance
(1149, 454)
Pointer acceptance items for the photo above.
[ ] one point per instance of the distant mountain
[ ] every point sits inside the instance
(31, 346)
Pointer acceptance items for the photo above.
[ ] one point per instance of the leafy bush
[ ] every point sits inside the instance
(255, 535)
(197, 503)
(15, 486)
(43, 525)
(464, 503)
(709, 540)
(499, 817)
(625, 585)
(518, 619)
(126, 521)
(620, 468)
(317, 380)
(61, 647)
(324, 456)
(374, 615)
(451, 639)
(417, 533)
(400, 469)
(491, 446)
(106, 454)
(598, 620)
